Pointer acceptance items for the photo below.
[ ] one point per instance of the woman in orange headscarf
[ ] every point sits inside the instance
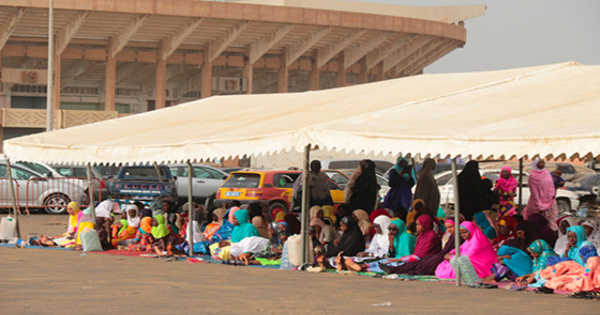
(214, 226)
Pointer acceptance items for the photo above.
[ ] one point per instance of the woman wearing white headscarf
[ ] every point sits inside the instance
(592, 230)
(380, 243)
(127, 229)
(561, 242)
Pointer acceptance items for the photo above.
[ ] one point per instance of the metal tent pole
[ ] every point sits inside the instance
(190, 229)
(50, 84)
(91, 191)
(304, 213)
(520, 185)
(456, 221)
(14, 198)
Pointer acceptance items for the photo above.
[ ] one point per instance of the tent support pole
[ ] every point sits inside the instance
(190, 227)
(456, 220)
(304, 213)
(520, 185)
(157, 169)
(14, 198)
(91, 191)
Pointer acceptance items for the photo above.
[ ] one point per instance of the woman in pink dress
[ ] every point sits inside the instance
(477, 247)
(542, 193)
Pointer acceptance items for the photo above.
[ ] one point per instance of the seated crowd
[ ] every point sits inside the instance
(398, 235)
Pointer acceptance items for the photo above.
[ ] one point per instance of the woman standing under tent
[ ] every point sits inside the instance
(318, 187)
(541, 199)
(427, 188)
(506, 189)
(469, 190)
(401, 178)
(361, 190)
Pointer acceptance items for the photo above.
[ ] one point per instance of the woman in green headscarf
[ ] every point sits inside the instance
(242, 226)
(164, 240)
(540, 251)
(403, 242)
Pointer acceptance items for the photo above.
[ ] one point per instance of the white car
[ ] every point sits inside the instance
(206, 180)
(566, 200)
(34, 190)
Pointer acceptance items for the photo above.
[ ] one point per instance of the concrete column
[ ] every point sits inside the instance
(248, 73)
(110, 83)
(379, 70)
(161, 84)
(283, 81)
(315, 75)
(363, 75)
(56, 87)
(341, 75)
(207, 76)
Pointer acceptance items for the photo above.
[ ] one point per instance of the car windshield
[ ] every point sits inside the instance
(242, 180)
(337, 177)
(143, 173)
(590, 180)
(36, 167)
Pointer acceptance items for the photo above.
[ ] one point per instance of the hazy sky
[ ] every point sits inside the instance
(521, 33)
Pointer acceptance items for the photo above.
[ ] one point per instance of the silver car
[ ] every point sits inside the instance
(35, 190)
(205, 180)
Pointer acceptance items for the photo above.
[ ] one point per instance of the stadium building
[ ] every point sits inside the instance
(113, 57)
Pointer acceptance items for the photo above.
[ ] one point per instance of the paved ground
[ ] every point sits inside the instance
(35, 281)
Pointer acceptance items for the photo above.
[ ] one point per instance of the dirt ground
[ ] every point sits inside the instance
(46, 281)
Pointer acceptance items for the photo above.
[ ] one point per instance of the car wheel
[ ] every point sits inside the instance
(56, 204)
(277, 205)
(563, 206)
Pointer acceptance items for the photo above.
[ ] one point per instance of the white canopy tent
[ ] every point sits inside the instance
(547, 110)
(550, 111)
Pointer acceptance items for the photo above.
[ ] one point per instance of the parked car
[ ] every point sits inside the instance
(40, 168)
(206, 180)
(586, 185)
(144, 183)
(271, 187)
(80, 171)
(381, 166)
(566, 200)
(228, 170)
(35, 190)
